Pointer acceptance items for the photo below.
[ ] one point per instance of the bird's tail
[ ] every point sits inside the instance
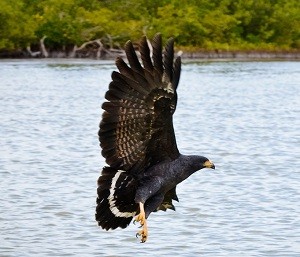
(115, 202)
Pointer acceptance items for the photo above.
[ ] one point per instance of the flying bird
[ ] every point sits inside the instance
(137, 138)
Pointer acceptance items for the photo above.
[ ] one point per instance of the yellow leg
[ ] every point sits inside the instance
(142, 219)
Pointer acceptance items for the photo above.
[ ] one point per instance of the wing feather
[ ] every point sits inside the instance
(157, 55)
(134, 84)
(167, 202)
(136, 130)
(168, 59)
(176, 74)
(123, 68)
(146, 55)
(132, 58)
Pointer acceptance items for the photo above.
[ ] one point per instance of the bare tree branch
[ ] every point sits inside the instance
(43, 48)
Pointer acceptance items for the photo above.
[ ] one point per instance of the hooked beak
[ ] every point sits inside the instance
(209, 164)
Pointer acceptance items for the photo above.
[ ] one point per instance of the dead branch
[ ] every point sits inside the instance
(100, 47)
(43, 48)
(32, 54)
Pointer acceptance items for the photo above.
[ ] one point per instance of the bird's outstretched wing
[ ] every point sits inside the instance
(136, 130)
(167, 202)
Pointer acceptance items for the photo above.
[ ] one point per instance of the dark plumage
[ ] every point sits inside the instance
(138, 141)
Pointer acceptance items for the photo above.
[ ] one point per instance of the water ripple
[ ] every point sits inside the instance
(242, 115)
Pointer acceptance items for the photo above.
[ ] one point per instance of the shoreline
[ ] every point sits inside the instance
(197, 55)
(243, 55)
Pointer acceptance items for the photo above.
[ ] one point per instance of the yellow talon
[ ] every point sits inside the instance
(142, 219)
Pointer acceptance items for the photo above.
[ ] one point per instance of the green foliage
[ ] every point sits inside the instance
(201, 24)
(17, 28)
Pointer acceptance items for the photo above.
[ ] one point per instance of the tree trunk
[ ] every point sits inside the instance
(43, 48)
(32, 54)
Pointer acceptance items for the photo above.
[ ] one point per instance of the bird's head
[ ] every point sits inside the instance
(208, 164)
(200, 162)
(205, 163)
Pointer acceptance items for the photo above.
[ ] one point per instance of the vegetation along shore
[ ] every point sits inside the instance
(258, 29)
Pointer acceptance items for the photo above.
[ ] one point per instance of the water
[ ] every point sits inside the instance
(244, 116)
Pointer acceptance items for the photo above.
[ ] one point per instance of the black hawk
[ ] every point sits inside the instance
(138, 141)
